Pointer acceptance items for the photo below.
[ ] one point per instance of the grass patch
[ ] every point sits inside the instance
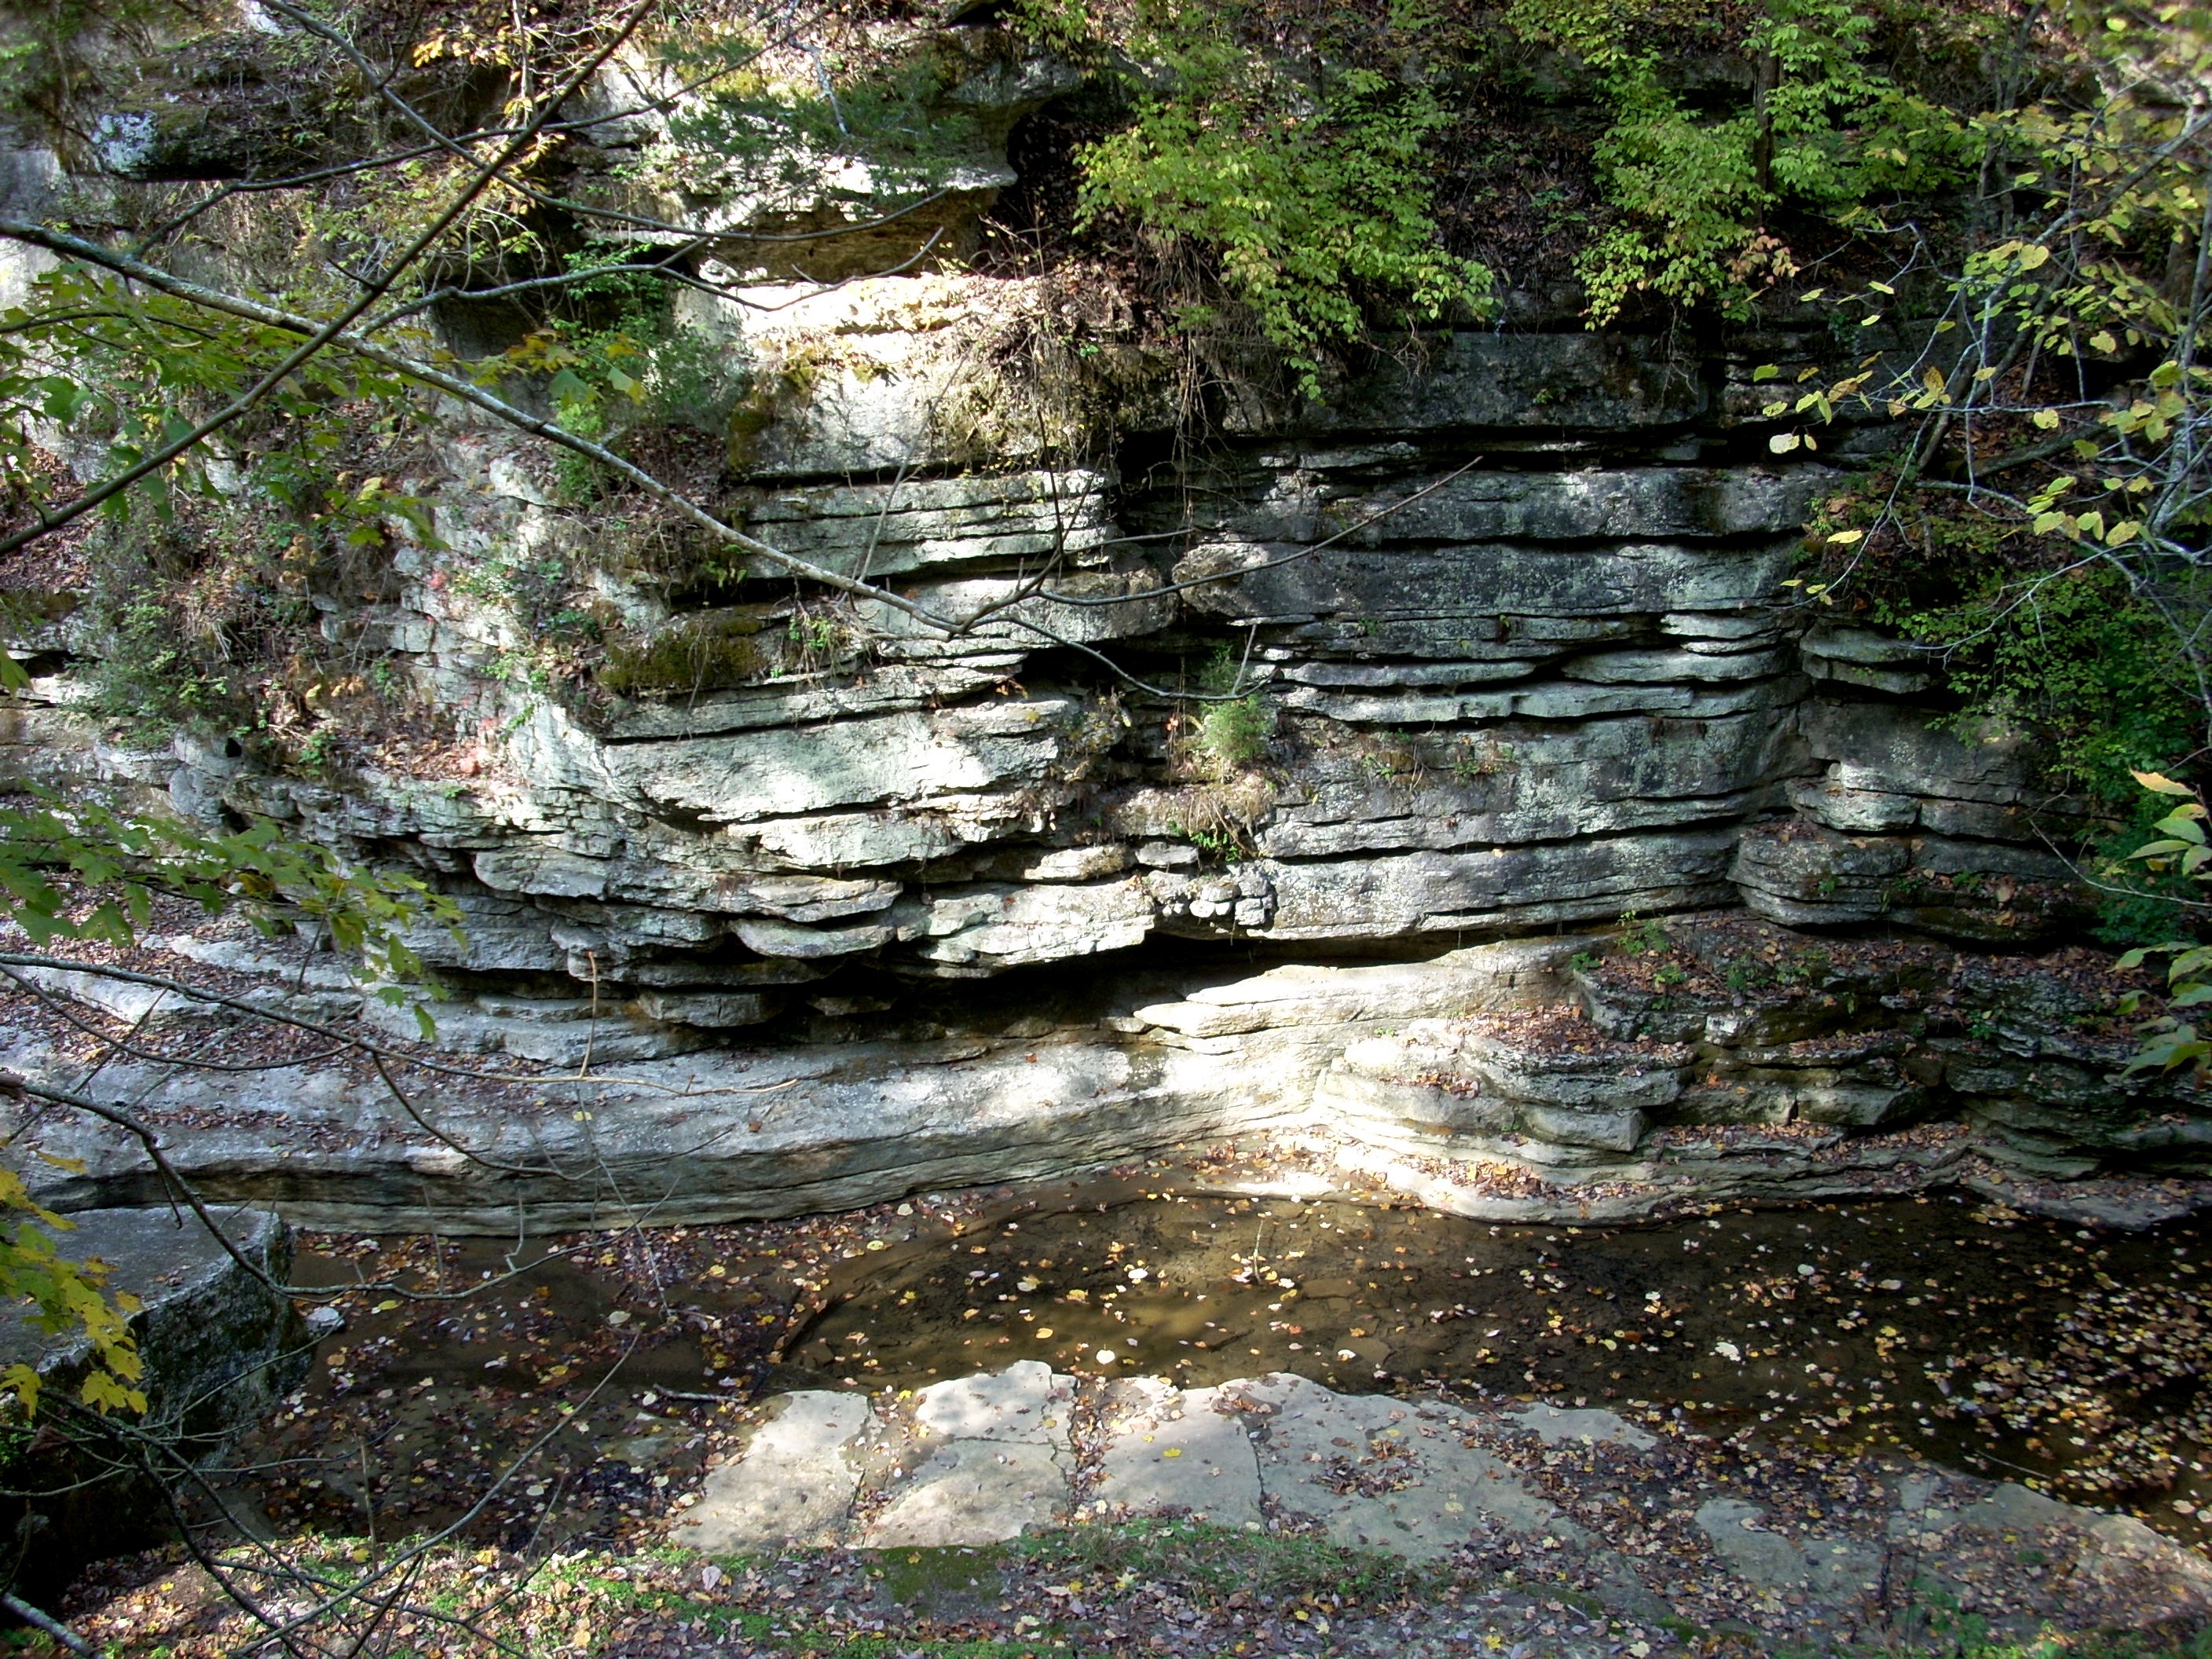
(1210, 1560)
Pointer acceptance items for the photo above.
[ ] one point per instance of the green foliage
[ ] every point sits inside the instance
(1313, 194)
(753, 133)
(2178, 849)
(127, 860)
(1638, 938)
(612, 356)
(2076, 658)
(1231, 734)
(2044, 527)
(131, 371)
(124, 861)
(1827, 133)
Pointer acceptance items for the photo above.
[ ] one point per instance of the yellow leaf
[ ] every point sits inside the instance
(1845, 537)
(2102, 341)
(23, 1382)
(1783, 442)
(2034, 256)
(2047, 419)
(2159, 783)
(74, 1165)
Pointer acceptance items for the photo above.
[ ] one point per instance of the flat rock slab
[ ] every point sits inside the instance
(976, 1460)
(1833, 1570)
(1169, 1449)
(1391, 1475)
(973, 1492)
(795, 1484)
(1024, 1402)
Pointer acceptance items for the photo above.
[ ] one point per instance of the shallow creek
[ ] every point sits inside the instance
(1984, 1339)
(1991, 1341)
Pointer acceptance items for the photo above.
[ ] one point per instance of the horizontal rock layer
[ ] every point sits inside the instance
(1523, 1081)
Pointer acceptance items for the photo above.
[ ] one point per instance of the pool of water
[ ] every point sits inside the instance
(1995, 1342)
(590, 1368)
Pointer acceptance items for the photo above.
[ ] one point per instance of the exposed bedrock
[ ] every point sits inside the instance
(1510, 624)
(1515, 623)
(219, 1342)
(1524, 1080)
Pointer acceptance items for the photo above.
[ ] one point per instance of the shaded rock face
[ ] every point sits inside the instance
(1530, 1080)
(219, 1344)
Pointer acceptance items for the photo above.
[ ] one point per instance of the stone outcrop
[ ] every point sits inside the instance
(976, 1461)
(1522, 1081)
(1508, 633)
(219, 1344)
(1561, 685)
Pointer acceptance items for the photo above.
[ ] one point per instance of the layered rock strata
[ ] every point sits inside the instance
(1520, 1081)
(1497, 640)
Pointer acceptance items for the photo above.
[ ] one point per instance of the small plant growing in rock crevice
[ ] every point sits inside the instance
(1234, 734)
(1227, 735)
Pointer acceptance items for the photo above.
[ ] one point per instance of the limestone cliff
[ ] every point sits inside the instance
(1509, 619)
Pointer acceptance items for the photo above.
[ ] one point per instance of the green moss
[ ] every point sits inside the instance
(1220, 1560)
(944, 1582)
(701, 652)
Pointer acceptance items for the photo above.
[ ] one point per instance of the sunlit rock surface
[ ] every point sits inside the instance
(974, 1461)
(1518, 652)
